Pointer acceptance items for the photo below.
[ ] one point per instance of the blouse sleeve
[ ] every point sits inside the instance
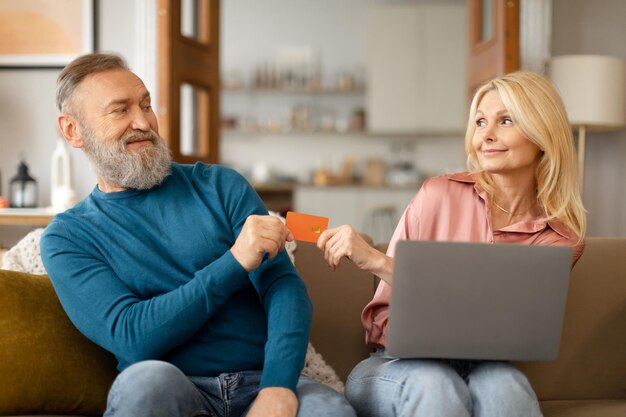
(376, 313)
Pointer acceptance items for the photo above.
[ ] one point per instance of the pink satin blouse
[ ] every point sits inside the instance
(453, 208)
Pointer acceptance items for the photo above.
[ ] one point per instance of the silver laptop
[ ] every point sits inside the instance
(477, 301)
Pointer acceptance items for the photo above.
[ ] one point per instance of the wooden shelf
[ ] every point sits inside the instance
(26, 217)
(268, 132)
(350, 133)
(329, 91)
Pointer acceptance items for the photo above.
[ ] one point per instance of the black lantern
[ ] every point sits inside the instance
(23, 189)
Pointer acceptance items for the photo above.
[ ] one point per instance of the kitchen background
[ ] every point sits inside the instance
(353, 129)
(371, 99)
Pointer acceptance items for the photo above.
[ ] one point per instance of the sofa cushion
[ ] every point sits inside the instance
(46, 365)
(592, 359)
(338, 298)
(591, 408)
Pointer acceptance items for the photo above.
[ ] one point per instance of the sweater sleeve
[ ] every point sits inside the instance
(105, 310)
(288, 310)
(282, 292)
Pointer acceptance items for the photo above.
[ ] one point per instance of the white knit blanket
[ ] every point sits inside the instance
(25, 257)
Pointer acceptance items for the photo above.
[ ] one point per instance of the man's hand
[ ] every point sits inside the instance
(260, 234)
(274, 402)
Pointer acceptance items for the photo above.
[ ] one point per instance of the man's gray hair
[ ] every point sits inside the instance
(78, 69)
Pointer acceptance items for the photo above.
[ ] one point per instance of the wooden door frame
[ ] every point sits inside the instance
(184, 60)
(499, 54)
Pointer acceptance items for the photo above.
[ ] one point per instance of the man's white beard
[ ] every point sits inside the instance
(140, 169)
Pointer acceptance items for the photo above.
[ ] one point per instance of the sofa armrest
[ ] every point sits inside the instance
(46, 364)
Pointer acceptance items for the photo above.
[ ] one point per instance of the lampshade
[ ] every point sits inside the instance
(593, 88)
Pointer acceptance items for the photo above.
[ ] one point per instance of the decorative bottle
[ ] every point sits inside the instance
(62, 195)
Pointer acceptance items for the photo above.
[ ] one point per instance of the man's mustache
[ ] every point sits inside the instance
(139, 136)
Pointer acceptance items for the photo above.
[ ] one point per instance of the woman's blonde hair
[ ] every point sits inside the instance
(537, 109)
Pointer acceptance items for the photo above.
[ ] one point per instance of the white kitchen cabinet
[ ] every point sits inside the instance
(371, 210)
(416, 57)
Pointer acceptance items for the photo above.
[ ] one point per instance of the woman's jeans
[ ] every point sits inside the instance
(384, 387)
(156, 388)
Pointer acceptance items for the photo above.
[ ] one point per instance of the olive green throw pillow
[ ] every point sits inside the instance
(46, 365)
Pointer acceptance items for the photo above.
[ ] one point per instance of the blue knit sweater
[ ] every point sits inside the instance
(149, 275)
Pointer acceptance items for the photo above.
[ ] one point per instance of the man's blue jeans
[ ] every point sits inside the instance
(156, 388)
(385, 387)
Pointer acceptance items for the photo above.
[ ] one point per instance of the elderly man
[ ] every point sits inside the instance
(175, 269)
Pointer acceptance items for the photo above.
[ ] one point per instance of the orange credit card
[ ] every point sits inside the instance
(306, 227)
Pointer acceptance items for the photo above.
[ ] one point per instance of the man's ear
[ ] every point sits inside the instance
(70, 129)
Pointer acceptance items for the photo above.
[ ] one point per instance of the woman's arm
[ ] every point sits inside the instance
(345, 241)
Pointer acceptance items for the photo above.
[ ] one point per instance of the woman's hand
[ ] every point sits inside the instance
(345, 241)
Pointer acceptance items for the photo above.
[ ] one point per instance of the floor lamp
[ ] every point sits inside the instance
(593, 88)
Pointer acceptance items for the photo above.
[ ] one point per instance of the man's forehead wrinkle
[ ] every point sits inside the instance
(111, 89)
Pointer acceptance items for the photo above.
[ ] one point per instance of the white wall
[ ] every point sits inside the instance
(253, 32)
(597, 27)
(27, 106)
(28, 113)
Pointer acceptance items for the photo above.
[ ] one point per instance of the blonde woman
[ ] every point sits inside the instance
(521, 188)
